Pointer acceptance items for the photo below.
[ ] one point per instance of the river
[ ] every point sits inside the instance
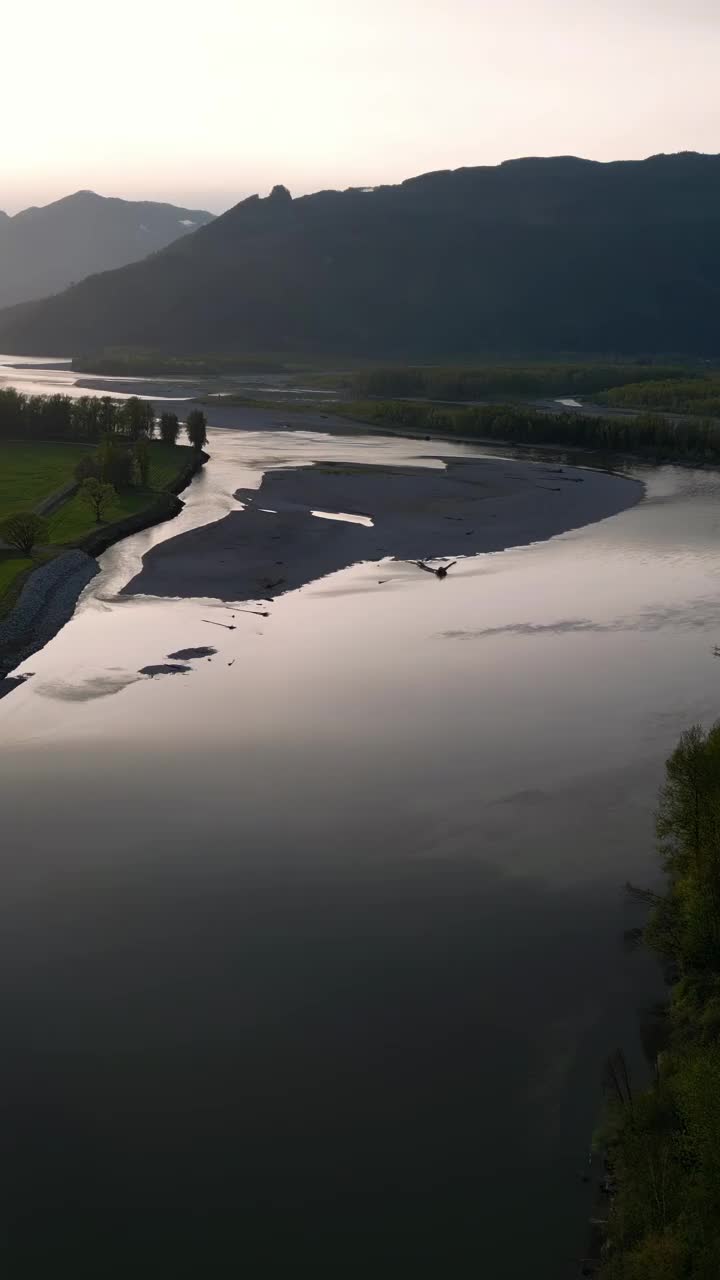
(311, 956)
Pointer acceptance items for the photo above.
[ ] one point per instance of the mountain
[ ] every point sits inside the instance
(530, 256)
(43, 250)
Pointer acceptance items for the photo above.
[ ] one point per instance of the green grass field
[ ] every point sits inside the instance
(74, 520)
(166, 462)
(10, 566)
(31, 472)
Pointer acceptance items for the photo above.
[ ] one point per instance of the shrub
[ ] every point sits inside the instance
(24, 530)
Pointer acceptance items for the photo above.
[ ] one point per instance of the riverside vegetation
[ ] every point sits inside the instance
(477, 382)
(647, 435)
(698, 395)
(70, 467)
(664, 1143)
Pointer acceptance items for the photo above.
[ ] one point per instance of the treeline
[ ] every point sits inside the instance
(59, 417)
(664, 1143)
(645, 435)
(118, 362)
(477, 383)
(92, 419)
(676, 395)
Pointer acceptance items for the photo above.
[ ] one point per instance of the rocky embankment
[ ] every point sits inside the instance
(47, 601)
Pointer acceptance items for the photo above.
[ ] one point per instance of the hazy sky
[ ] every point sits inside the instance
(205, 101)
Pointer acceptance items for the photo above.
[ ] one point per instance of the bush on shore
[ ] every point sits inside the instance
(664, 1144)
(646, 435)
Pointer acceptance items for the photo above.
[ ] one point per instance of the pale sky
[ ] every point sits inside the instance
(203, 102)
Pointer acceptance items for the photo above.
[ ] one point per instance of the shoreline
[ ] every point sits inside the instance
(291, 548)
(50, 593)
(285, 417)
(282, 539)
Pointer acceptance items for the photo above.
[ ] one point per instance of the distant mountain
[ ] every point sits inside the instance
(531, 256)
(44, 250)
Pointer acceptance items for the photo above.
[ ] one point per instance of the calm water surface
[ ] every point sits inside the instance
(310, 962)
(50, 376)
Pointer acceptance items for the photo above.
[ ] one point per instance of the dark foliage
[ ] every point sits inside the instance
(665, 1143)
(646, 435)
(137, 418)
(97, 495)
(59, 417)
(141, 457)
(670, 395)
(88, 468)
(196, 428)
(169, 428)
(479, 382)
(117, 464)
(24, 531)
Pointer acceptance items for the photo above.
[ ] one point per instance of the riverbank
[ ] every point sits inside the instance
(50, 592)
(395, 795)
(302, 523)
(46, 602)
(662, 1143)
(617, 436)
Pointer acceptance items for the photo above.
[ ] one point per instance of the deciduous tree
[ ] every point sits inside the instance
(24, 530)
(97, 495)
(169, 428)
(196, 427)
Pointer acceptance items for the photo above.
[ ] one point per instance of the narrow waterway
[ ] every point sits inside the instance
(311, 954)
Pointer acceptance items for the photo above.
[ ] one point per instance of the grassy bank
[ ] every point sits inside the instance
(13, 569)
(34, 471)
(31, 472)
(73, 521)
(664, 1143)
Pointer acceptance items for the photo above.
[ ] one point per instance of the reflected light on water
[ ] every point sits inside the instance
(328, 929)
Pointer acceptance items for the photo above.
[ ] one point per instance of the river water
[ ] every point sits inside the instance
(311, 955)
(50, 376)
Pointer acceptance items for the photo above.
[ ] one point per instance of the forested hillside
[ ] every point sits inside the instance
(532, 256)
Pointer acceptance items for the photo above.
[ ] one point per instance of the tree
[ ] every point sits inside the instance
(89, 465)
(24, 531)
(142, 460)
(196, 427)
(108, 416)
(97, 495)
(117, 465)
(169, 428)
(138, 418)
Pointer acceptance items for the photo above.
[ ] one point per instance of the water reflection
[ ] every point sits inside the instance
(48, 376)
(700, 614)
(312, 957)
(99, 686)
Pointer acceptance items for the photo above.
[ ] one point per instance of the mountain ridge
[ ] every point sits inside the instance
(45, 248)
(538, 254)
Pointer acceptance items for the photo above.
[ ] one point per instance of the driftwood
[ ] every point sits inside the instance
(441, 572)
(230, 626)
